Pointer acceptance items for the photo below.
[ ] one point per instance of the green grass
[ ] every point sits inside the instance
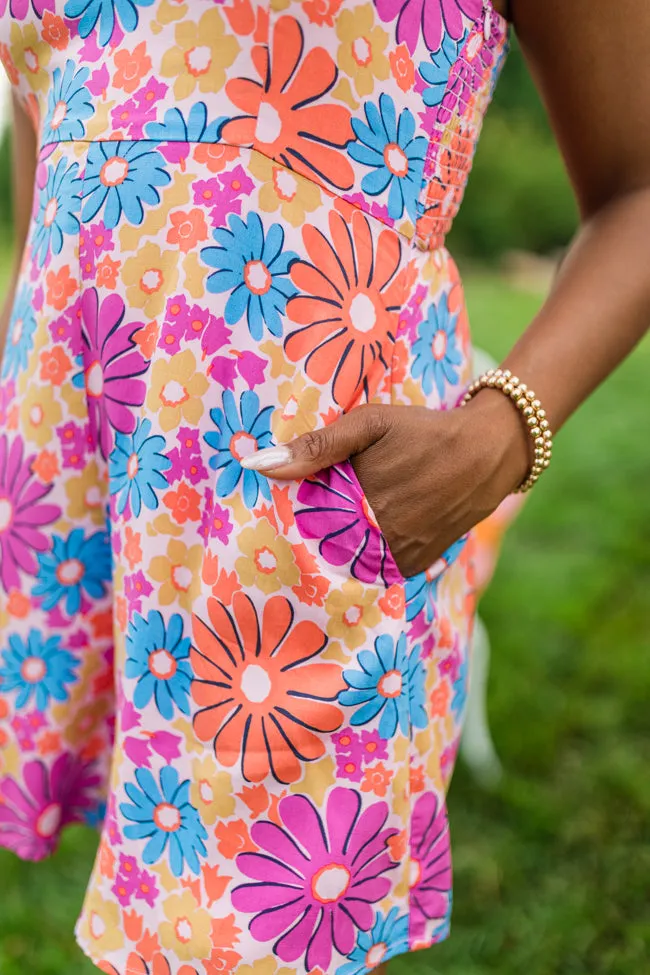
(552, 868)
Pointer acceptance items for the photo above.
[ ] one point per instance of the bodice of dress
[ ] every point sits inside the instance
(379, 102)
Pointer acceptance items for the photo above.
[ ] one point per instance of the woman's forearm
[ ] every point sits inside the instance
(598, 309)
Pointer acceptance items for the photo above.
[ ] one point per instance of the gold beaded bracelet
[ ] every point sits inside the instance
(531, 410)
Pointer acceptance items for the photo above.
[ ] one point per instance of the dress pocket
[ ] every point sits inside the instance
(332, 508)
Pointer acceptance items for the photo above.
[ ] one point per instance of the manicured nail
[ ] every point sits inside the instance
(267, 459)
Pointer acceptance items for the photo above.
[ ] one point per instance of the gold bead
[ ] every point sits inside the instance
(544, 424)
(491, 383)
(547, 432)
(530, 395)
(541, 413)
(528, 410)
(501, 381)
(522, 403)
(539, 441)
(507, 389)
(531, 421)
(536, 403)
(514, 380)
(535, 432)
(507, 373)
(523, 387)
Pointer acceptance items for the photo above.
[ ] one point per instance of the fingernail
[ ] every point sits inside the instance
(267, 459)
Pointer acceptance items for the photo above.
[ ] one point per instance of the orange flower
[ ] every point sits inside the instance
(60, 288)
(233, 838)
(393, 603)
(222, 962)
(402, 67)
(148, 945)
(440, 699)
(49, 743)
(283, 507)
(256, 798)
(121, 612)
(215, 156)
(322, 11)
(9, 66)
(132, 925)
(311, 590)
(131, 66)
(416, 778)
(224, 931)
(188, 229)
(18, 604)
(46, 465)
(54, 32)
(347, 311)
(107, 271)
(377, 779)
(265, 705)
(55, 365)
(146, 338)
(132, 547)
(137, 965)
(283, 114)
(397, 845)
(215, 883)
(106, 860)
(183, 503)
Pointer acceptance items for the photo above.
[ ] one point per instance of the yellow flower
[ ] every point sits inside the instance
(264, 966)
(87, 495)
(283, 190)
(297, 415)
(361, 55)
(187, 930)
(150, 276)
(195, 275)
(31, 55)
(280, 366)
(203, 51)
(352, 609)
(175, 194)
(39, 412)
(100, 925)
(211, 791)
(179, 573)
(269, 562)
(176, 390)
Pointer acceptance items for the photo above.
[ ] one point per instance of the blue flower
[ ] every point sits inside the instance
(388, 937)
(159, 660)
(135, 468)
(421, 591)
(37, 667)
(122, 176)
(164, 816)
(436, 352)
(174, 128)
(436, 72)
(236, 438)
(390, 682)
(20, 336)
(107, 12)
(58, 204)
(254, 270)
(460, 688)
(68, 105)
(76, 565)
(389, 146)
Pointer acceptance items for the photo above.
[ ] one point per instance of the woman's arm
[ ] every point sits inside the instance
(431, 476)
(23, 178)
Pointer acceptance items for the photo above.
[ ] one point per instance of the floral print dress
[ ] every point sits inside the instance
(238, 234)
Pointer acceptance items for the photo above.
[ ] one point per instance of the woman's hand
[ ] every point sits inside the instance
(428, 475)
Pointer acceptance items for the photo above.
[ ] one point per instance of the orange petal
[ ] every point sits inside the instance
(277, 619)
(256, 756)
(287, 48)
(305, 641)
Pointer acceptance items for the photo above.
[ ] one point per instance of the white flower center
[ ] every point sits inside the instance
(31, 60)
(286, 184)
(48, 821)
(17, 331)
(97, 925)
(33, 670)
(198, 60)
(414, 872)
(183, 930)
(375, 955)
(36, 415)
(50, 212)
(132, 466)
(390, 685)
(361, 51)
(162, 664)
(181, 577)
(439, 345)
(330, 883)
(6, 513)
(58, 115)
(362, 313)
(70, 572)
(206, 791)
(173, 393)
(94, 379)
(93, 497)
(396, 160)
(255, 684)
(167, 817)
(151, 280)
(352, 616)
(265, 560)
(257, 277)
(269, 123)
(114, 171)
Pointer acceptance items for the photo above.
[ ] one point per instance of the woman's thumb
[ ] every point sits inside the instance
(312, 452)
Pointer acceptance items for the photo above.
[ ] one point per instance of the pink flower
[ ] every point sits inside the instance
(349, 767)
(146, 890)
(22, 514)
(215, 521)
(7, 394)
(430, 887)
(184, 323)
(186, 458)
(374, 747)
(112, 363)
(434, 17)
(136, 587)
(336, 511)
(149, 95)
(346, 740)
(67, 328)
(76, 442)
(315, 879)
(32, 814)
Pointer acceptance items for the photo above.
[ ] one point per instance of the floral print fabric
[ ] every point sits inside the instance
(237, 235)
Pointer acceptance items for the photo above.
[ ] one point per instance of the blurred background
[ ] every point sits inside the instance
(553, 864)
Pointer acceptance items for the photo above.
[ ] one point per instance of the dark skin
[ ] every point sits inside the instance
(588, 60)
